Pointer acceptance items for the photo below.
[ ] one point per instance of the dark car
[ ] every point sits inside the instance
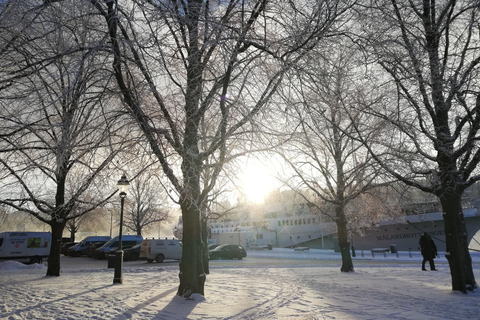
(228, 251)
(212, 246)
(129, 254)
(110, 247)
(65, 246)
(133, 253)
(91, 249)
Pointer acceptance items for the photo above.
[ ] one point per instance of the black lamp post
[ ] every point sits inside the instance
(123, 185)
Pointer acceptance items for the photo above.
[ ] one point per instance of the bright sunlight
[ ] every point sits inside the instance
(256, 182)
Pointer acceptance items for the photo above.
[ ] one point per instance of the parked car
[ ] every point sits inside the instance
(213, 246)
(65, 246)
(228, 251)
(94, 246)
(133, 253)
(129, 254)
(128, 241)
(82, 247)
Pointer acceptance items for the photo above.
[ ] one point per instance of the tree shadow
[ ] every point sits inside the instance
(44, 303)
(141, 306)
(179, 308)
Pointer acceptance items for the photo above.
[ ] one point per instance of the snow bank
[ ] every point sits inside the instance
(15, 265)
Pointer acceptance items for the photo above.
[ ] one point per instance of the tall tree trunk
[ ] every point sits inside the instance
(457, 253)
(206, 259)
(347, 263)
(451, 180)
(59, 220)
(192, 275)
(57, 225)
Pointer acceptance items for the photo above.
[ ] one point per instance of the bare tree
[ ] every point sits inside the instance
(3, 216)
(58, 129)
(72, 226)
(323, 152)
(430, 52)
(212, 61)
(145, 208)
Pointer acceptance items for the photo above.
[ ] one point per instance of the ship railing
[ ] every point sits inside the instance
(380, 250)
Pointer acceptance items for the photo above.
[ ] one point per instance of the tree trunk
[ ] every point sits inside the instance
(192, 275)
(206, 259)
(347, 263)
(54, 258)
(457, 252)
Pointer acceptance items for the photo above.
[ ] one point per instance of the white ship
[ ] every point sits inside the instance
(300, 229)
(405, 232)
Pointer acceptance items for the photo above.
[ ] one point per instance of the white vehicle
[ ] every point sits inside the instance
(161, 249)
(27, 247)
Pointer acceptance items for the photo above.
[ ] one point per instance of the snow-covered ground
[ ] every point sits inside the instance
(276, 284)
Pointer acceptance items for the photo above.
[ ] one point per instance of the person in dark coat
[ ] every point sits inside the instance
(429, 251)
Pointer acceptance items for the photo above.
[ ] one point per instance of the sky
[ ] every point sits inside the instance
(270, 284)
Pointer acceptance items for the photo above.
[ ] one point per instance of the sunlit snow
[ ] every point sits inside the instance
(276, 284)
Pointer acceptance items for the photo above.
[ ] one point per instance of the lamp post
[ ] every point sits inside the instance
(123, 185)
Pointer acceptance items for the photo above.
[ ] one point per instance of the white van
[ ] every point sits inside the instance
(128, 241)
(27, 247)
(161, 249)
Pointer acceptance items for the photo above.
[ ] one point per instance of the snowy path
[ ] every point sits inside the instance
(256, 288)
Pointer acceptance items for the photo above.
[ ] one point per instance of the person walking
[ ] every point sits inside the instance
(429, 251)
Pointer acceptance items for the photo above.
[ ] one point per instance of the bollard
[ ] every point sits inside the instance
(353, 251)
(362, 253)
(410, 252)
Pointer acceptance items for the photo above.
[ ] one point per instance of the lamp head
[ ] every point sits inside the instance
(123, 185)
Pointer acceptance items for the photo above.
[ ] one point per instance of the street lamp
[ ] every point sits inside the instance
(123, 185)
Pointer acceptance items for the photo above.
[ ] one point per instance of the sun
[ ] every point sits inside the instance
(256, 182)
